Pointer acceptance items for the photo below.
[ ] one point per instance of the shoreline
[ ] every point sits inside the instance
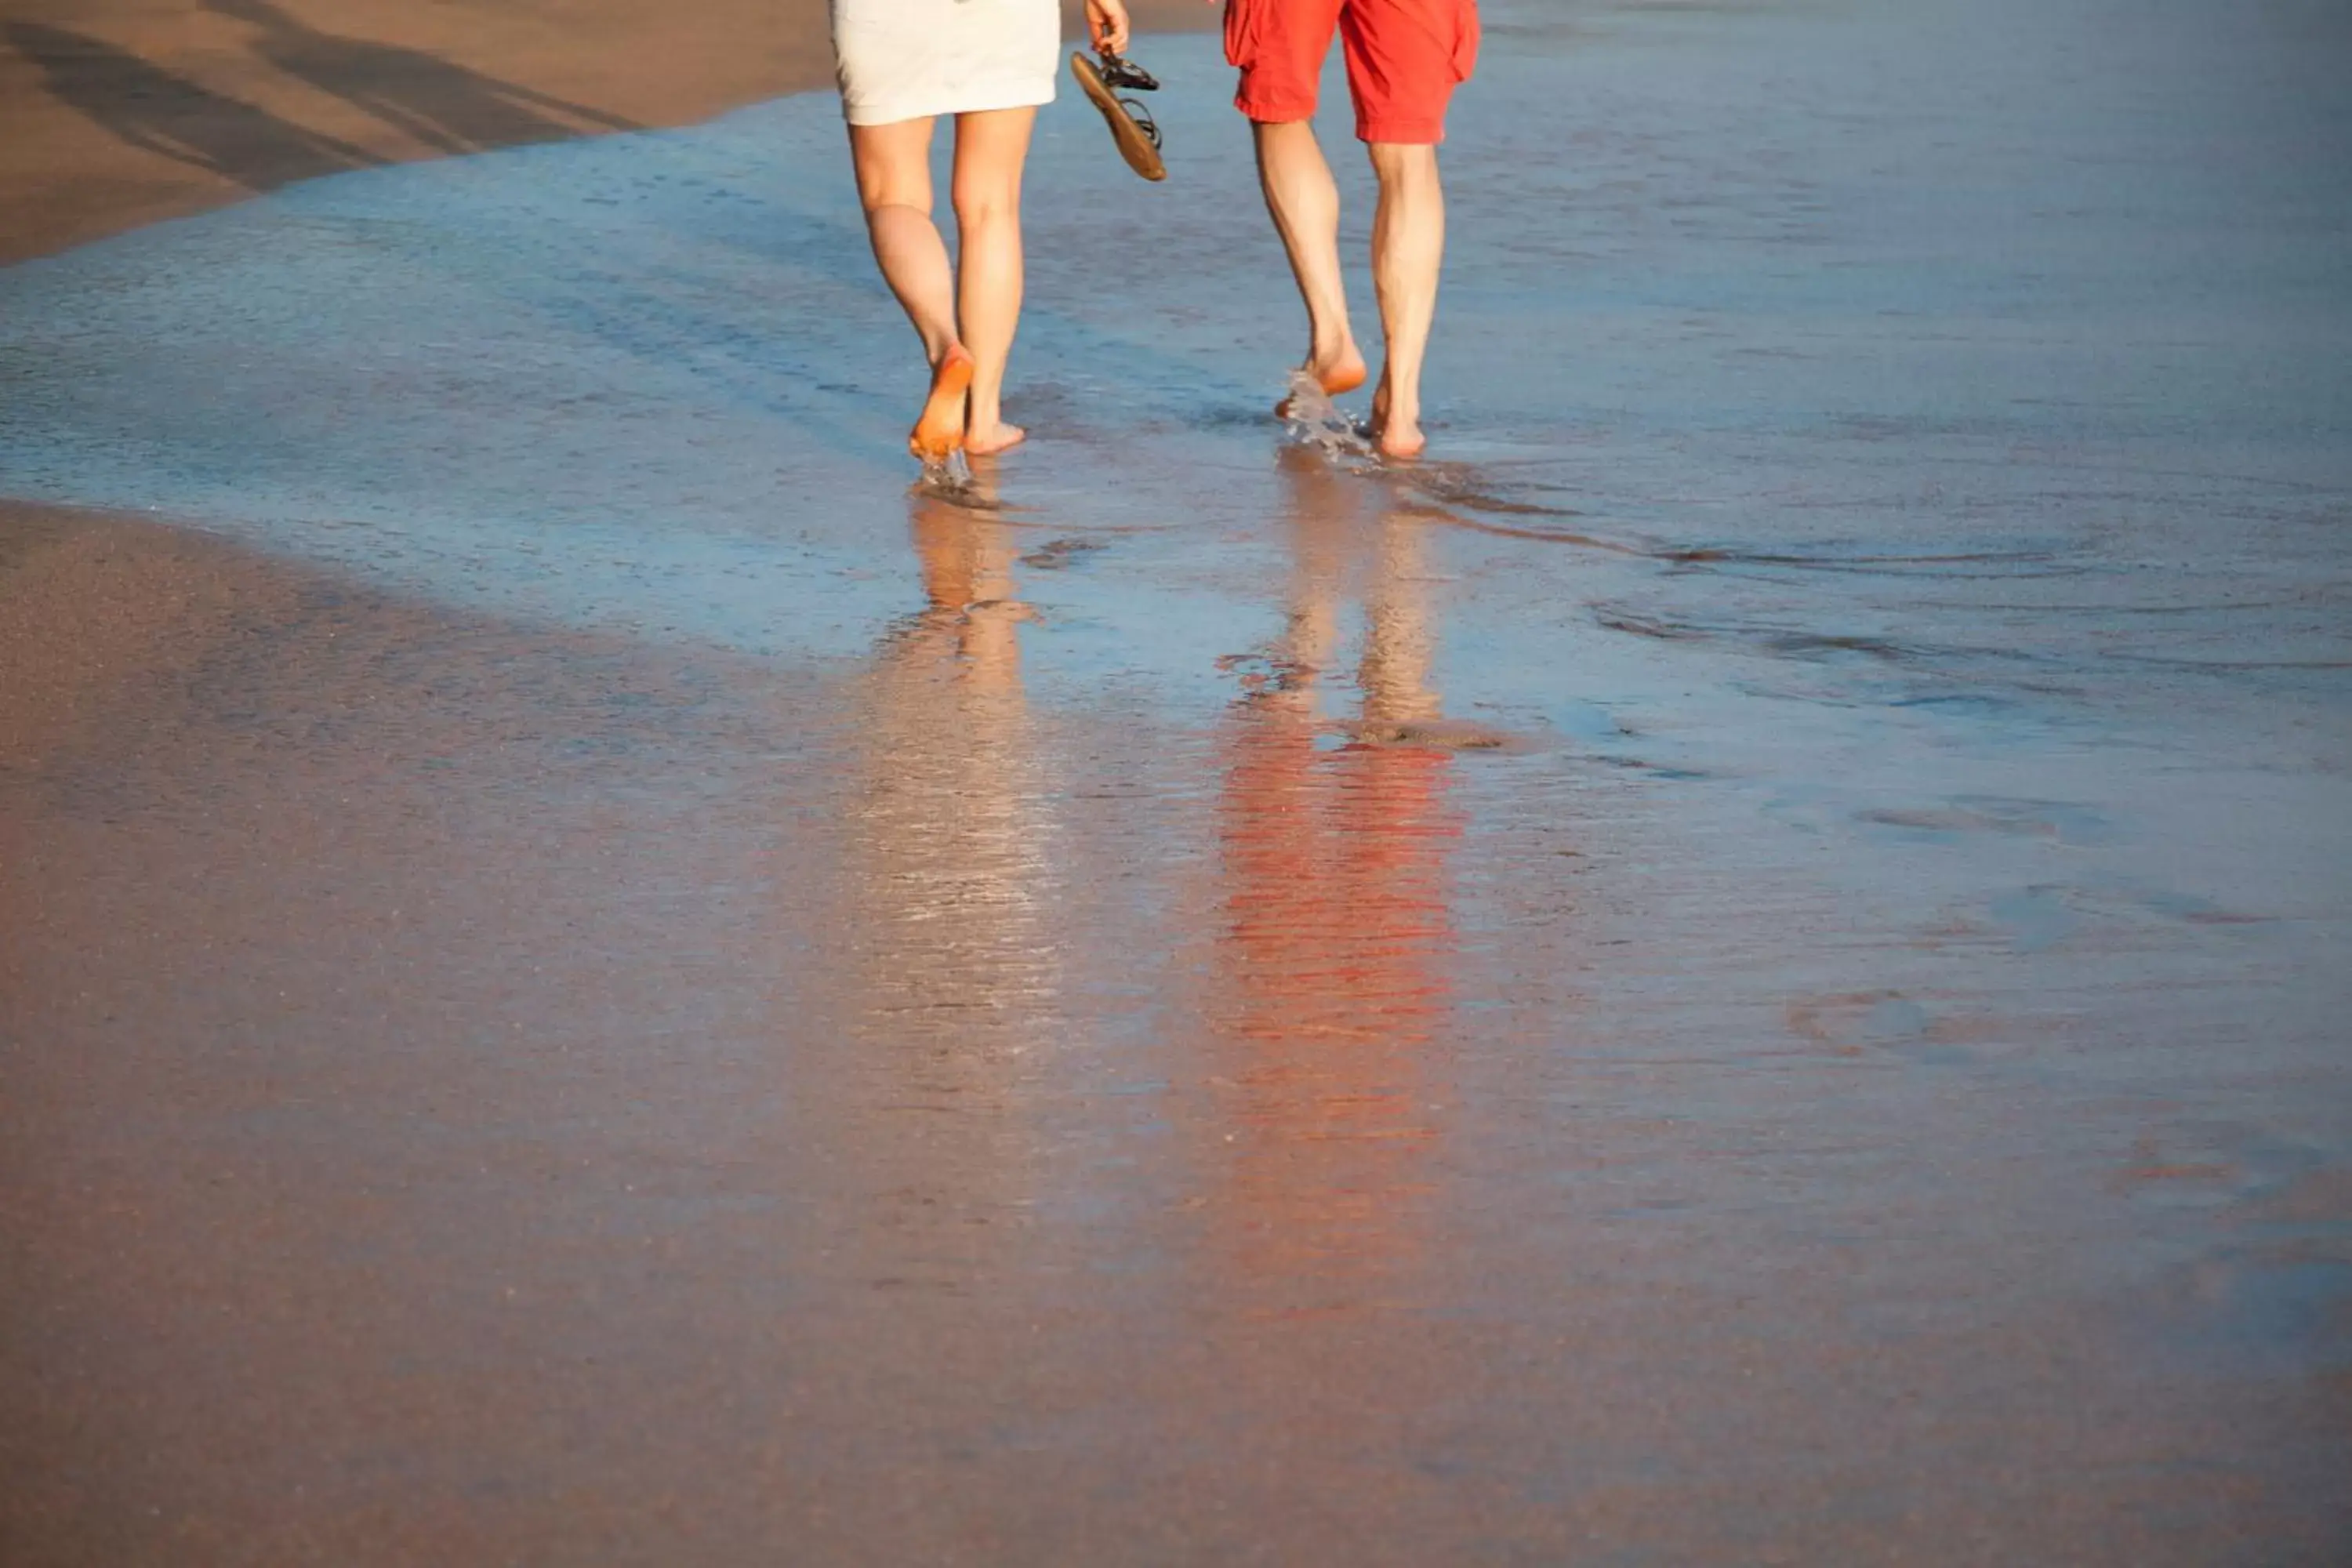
(117, 115)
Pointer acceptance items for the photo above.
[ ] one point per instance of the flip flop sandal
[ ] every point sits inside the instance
(1130, 123)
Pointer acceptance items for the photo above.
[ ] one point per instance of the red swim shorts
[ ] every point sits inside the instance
(1404, 59)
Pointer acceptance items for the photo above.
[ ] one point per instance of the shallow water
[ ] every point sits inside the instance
(1788, 330)
(1766, 925)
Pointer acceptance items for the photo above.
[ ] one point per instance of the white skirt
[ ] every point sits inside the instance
(903, 59)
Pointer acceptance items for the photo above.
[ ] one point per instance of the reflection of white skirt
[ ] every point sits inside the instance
(901, 59)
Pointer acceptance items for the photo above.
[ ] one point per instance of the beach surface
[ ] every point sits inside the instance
(120, 112)
(1746, 967)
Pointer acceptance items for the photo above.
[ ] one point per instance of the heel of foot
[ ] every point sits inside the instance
(953, 376)
(997, 438)
(1345, 376)
(940, 430)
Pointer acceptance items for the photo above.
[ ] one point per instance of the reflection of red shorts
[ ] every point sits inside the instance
(1404, 59)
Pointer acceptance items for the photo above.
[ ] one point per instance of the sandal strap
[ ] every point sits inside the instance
(1117, 71)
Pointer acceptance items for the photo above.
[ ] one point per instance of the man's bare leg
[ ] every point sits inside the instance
(1305, 203)
(1408, 252)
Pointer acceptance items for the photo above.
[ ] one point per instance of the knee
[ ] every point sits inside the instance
(1278, 136)
(887, 191)
(1404, 166)
(979, 203)
(891, 209)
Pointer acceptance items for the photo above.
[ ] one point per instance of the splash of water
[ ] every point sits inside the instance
(1314, 420)
(950, 475)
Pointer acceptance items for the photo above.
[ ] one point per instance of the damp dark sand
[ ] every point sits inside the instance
(116, 112)
(1746, 969)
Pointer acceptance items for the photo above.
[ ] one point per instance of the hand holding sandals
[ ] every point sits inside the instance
(1107, 26)
(1106, 79)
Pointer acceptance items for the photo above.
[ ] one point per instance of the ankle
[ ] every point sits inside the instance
(1332, 350)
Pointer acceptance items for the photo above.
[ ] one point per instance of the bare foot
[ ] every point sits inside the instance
(1394, 434)
(982, 442)
(1342, 371)
(940, 430)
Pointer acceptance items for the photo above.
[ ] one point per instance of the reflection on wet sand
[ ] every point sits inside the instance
(949, 879)
(1336, 936)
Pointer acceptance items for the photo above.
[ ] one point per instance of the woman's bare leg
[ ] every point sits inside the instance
(990, 147)
(894, 184)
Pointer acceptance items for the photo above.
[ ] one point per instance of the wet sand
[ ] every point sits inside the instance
(1747, 970)
(480, 1092)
